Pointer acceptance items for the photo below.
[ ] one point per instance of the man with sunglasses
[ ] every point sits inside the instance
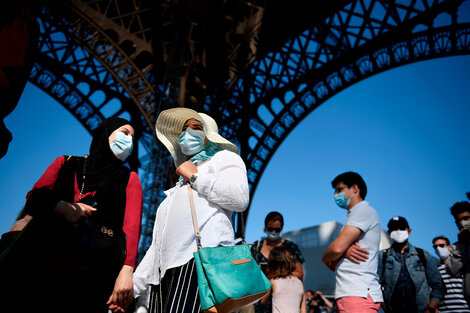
(454, 300)
(458, 263)
(357, 285)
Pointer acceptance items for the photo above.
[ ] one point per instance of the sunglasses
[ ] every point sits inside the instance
(274, 229)
(340, 188)
(442, 245)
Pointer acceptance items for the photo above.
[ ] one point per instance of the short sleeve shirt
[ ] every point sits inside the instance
(360, 280)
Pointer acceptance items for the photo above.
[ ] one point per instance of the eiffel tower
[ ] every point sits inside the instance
(258, 67)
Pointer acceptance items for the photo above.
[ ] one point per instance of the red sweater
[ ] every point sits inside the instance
(132, 215)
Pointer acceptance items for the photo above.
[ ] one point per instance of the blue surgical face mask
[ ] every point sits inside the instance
(341, 200)
(121, 145)
(191, 141)
(273, 235)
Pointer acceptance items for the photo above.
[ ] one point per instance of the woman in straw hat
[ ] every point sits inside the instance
(217, 175)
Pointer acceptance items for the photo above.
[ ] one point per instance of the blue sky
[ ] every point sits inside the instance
(406, 131)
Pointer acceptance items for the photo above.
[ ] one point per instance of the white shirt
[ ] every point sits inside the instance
(220, 188)
(359, 280)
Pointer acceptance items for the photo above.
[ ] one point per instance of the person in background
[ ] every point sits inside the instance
(273, 224)
(308, 298)
(320, 304)
(458, 263)
(357, 285)
(261, 249)
(409, 275)
(454, 300)
(210, 164)
(57, 267)
(287, 292)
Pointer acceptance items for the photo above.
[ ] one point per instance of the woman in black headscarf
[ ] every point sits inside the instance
(79, 250)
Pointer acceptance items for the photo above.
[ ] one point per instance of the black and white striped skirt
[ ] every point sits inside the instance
(178, 291)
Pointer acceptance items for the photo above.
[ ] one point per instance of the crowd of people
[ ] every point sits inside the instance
(73, 247)
(402, 278)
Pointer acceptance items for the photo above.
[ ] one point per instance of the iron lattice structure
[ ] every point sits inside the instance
(258, 67)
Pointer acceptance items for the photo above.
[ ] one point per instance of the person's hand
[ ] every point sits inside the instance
(318, 293)
(122, 293)
(356, 254)
(432, 307)
(332, 264)
(116, 308)
(464, 235)
(186, 169)
(73, 211)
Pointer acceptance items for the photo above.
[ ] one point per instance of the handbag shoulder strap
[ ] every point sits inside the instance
(193, 213)
(258, 250)
(242, 226)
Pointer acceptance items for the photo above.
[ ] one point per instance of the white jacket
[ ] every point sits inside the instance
(220, 188)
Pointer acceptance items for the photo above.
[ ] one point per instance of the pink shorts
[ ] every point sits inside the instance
(357, 305)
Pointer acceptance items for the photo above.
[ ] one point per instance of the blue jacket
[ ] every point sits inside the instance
(427, 281)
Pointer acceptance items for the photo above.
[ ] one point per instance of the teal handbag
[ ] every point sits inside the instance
(229, 279)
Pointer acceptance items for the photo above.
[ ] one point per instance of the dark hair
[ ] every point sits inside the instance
(460, 207)
(274, 216)
(280, 263)
(350, 179)
(443, 238)
(311, 291)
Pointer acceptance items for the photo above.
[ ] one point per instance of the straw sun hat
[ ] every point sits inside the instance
(170, 124)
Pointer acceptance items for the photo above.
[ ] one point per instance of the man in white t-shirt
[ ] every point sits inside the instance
(353, 254)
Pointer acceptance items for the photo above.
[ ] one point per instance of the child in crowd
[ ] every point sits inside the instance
(287, 292)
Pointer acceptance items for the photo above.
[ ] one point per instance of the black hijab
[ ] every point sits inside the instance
(104, 174)
(103, 168)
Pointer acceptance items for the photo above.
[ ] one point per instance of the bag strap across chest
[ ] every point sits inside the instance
(194, 216)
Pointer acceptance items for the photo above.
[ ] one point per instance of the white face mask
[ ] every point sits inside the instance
(465, 223)
(443, 253)
(399, 236)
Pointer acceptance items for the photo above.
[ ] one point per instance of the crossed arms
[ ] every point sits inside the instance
(345, 246)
